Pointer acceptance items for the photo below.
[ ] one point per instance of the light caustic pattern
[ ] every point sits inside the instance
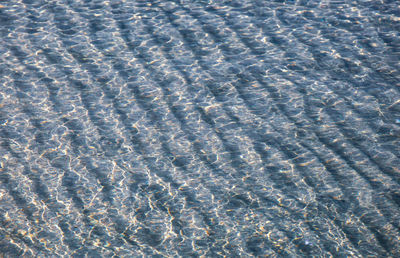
(199, 128)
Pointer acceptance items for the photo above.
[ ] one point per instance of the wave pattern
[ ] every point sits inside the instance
(200, 128)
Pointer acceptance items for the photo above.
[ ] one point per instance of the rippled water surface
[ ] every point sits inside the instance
(240, 128)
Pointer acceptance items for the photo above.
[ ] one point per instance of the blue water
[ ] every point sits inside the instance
(199, 128)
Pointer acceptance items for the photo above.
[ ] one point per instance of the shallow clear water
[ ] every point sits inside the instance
(199, 128)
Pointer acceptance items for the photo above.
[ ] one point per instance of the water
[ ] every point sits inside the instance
(199, 128)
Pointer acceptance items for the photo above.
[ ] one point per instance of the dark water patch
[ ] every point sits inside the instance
(346, 62)
(214, 9)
